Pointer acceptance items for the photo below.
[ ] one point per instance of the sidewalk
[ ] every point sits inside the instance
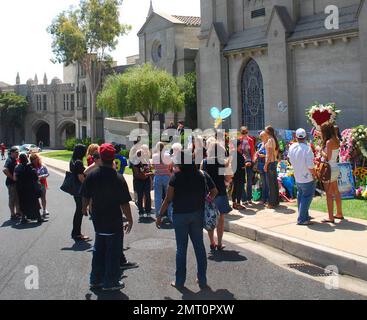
(343, 245)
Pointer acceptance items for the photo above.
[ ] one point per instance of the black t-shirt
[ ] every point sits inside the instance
(240, 164)
(108, 190)
(189, 193)
(10, 164)
(213, 169)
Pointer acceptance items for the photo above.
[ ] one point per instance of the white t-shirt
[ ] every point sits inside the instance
(301, 157)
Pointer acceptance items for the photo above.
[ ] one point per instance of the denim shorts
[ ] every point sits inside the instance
(222, 204)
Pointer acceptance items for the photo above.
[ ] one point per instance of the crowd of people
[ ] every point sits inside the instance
(26, 180)
(210, 169)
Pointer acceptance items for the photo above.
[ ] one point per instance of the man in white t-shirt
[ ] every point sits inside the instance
(302, 159)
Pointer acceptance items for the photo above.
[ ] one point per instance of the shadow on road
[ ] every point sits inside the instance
(227, 255)
(9, 223)
(205, 294)
(103, 295)
(149, 220)
(343, 225)
(25, 226)
(79, 246)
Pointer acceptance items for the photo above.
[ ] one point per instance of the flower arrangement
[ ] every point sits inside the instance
(346, 146)
(359, 136)
(319, 114)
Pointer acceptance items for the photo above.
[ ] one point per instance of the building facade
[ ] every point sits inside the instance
(169, 42)
(50, 116)
(271, 59)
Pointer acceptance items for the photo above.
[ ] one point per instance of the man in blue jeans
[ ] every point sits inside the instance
(110, 197)
(302, 160)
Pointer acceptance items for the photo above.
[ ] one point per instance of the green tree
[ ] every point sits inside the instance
(12, 112)
(187, 84)
(86, 36)
(143, 89)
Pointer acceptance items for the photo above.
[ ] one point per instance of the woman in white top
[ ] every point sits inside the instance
(330, 152)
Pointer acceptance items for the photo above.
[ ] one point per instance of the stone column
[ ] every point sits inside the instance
(278, 74)
(363, 55)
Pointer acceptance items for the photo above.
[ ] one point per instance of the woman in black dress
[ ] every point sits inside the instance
(28, 190)
(77, 168)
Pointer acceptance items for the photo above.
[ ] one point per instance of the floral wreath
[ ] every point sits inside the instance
(359, 135)
(319, 114)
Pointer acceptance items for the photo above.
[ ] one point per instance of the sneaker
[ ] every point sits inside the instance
(46, 213)
(41, 220)
(95, 286)
(306, 223)
(128, 265)
(117, 287)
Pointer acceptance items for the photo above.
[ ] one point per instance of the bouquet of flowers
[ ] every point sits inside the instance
(320, 114)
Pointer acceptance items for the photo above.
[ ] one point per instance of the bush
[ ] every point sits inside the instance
(125, 153)
(69, 144)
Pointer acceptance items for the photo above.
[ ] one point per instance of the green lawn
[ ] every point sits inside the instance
(351, 208)
(65, 155)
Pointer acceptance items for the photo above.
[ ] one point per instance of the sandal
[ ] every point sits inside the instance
(339, 218)
(327, 221)
(221, 247)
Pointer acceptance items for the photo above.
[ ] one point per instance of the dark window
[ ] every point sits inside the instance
(258, 13)
(253, 97)
(72, 102)
(44, 102)
(84, 132)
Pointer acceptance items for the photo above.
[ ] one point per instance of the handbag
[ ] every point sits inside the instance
(211, 212)
(70, 185)
(323, 172)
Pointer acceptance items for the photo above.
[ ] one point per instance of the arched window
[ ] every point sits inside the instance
(253, 97)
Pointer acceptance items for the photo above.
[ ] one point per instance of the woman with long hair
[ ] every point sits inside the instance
(162, 165)
(77, 168)
(261, 156)
(187, 191)
(215, 165)
(270, 167)
(92, 149)
(330, 153)
(43, 174)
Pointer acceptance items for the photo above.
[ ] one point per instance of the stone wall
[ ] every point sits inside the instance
(328, 73)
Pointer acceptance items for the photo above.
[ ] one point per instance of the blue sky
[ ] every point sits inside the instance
(26, 45)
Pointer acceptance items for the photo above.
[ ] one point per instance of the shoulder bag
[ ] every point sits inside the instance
(211, 212)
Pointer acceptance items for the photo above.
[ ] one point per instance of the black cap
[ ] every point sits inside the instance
(14, 149)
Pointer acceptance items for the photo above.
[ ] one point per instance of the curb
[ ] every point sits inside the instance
(348, 264)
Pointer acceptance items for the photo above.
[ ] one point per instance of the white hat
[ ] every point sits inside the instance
(301, 133)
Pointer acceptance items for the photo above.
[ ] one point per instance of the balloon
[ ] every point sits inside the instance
(226, 113)
(215, 113)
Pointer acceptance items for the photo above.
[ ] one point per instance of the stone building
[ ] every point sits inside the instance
(271, 59)
(169, 42)
(50, 115)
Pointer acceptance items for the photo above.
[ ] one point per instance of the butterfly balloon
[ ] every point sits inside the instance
(219, 116)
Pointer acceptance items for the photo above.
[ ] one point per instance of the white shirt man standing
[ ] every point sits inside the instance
(302, 160)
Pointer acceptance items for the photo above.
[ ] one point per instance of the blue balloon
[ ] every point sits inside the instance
(226, 113)
(215, 113)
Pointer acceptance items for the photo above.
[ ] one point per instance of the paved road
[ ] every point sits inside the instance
(64, 267)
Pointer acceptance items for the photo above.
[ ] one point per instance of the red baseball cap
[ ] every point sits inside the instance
(107, 152)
